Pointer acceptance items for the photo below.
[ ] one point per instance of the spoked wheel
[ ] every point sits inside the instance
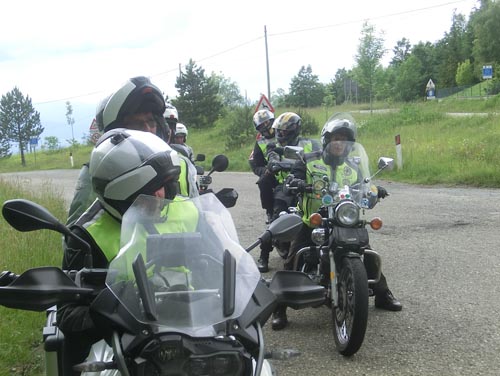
(351, 316)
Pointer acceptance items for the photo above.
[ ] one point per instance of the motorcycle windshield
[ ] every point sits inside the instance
(181, 267)
(349, 172)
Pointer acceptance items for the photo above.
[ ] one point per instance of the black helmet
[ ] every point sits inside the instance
(137, 95)
(287, 127)
(126, 163)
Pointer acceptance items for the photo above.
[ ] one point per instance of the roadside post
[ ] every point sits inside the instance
(399, 153)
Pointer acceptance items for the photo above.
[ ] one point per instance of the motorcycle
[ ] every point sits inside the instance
(190, 303)
(339, 251)
(228, 196)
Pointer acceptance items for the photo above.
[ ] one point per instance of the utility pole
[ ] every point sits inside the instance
(267, 66)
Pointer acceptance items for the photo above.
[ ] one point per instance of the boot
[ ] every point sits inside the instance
(385, 300)
(263, 265)
(280, 321)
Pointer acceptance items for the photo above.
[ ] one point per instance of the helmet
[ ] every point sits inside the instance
(339, 123)
(171, 115)
(126, 163)
(263, 121)
(181, 129)
(287, 127)
(137, 95)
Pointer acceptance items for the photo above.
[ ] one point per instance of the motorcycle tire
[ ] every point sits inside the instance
(350, 317)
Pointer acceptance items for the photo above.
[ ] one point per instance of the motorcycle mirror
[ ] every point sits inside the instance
(200, 158)
(293, 152)
(385, 163)
(25, 215)
(219, 163)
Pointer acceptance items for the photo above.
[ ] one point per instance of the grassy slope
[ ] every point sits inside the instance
(437, 149)
(20, 331)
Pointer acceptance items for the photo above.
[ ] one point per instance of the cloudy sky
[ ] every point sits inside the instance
(57, 50)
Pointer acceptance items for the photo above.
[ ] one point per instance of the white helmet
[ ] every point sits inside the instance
(171, 114)
(181, 129)
(126, 163)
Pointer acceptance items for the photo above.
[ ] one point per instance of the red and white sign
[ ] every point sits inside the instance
(94, 132)
(264, 104)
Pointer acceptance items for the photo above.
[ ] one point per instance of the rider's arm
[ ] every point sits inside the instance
(257, 161)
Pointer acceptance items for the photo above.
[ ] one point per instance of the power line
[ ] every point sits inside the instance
(273, 35)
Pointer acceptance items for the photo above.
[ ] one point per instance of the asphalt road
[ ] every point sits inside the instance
(440, 255)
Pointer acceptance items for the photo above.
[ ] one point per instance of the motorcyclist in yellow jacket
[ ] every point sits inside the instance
(337, 136)
(139, 105)
(123, 165)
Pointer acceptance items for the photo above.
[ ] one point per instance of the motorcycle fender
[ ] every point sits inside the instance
(347, 237)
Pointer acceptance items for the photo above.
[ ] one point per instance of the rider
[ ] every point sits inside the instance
(287, 127)
(124, 164)
(334, 156)
(139, 105)
(180, 138)
(263, 121)
(171, 117)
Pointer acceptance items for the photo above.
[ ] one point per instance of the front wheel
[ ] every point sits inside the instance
(350, 317)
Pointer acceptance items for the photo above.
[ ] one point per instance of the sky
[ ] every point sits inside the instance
(79, 51)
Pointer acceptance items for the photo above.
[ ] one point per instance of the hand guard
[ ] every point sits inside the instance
(382, 192)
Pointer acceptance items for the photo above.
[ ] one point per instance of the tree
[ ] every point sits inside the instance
(19, 120)
(453, 49)
(240, 132)
(198, 103)
(486, 25)
(4, 145)
(370, 51)
(401, 51)
(465, 73)
(229, 91)
(71, 121)
(51, 143)
(305, 89)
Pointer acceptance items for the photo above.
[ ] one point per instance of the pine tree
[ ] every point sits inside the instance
(18, 120)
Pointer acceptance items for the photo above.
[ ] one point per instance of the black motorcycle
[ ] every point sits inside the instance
(190, 303)
(340, 245)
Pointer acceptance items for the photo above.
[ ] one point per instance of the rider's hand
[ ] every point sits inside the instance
(273, 167)
(273, 156)
(297, 183)
(382, 192)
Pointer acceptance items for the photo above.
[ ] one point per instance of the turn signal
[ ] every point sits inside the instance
(315, 219)
(376, 223)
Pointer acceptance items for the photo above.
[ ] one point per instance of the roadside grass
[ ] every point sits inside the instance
(437, 148)
(21, 348)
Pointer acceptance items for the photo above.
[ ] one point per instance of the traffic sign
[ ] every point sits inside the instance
(264, 104)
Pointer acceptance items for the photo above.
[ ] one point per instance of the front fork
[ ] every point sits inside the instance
(334, 292)
(372, 279)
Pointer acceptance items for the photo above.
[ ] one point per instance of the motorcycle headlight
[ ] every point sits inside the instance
(318, 236)
(347, 213)
(218, 364)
